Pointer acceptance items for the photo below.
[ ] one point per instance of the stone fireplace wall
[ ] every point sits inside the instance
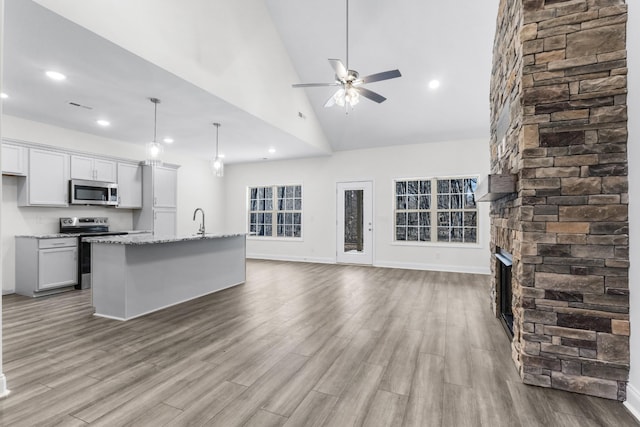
(559, 123)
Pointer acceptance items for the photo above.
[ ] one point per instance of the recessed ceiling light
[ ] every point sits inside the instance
(272, 150)
(434, 84)
(3, 95)
(168, 140)
(103, 123)
(54, 75)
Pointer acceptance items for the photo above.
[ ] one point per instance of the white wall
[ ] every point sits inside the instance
(197, 187)
(633, 100)
(381, 165)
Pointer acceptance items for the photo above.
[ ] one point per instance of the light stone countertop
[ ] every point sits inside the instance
(147, 240)
(60, 235)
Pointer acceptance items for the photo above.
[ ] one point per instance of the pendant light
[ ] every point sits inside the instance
(154, 149)
(217, 165)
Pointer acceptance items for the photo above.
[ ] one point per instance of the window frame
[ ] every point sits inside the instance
(433, 213)
(274, 212)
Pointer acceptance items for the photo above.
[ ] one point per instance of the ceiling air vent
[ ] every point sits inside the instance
(75, 104)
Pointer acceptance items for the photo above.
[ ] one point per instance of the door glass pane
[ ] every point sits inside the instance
(353, 221)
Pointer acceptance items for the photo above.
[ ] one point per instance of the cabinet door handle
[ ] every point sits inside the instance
(59, 244)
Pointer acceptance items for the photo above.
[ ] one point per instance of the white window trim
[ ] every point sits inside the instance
(274, 212)
(433, 212)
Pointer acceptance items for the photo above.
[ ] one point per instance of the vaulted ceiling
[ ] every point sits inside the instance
(234, 63)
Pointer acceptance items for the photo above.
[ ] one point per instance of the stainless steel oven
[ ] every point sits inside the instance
(85, 227)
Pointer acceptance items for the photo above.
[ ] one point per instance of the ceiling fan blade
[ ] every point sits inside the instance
(331, 101)
(339, 68)
(385, 75)
(376, 97)
(316, 84)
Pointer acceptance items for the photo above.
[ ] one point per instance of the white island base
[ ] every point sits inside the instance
(134, 276)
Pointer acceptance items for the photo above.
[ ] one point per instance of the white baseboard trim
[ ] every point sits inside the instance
(633, 401)
(4, 391)
(270, 257)
(385, 264)
(433, 267)
(8, 291)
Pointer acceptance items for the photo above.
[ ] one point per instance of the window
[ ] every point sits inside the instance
(436, 210)
(275, 211)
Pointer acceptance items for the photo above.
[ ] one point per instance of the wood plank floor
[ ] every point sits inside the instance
(297, 345)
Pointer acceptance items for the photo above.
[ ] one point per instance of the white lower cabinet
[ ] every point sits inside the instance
(45, 266)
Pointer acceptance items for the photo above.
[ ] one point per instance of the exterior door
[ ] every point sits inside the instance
(355, 223)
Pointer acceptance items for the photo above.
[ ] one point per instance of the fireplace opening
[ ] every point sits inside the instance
(503, 281)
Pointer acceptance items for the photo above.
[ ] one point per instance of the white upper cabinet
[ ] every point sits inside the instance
(14, 160)
(129, 186)
(93, 169)
(47, 181)
(165, 187)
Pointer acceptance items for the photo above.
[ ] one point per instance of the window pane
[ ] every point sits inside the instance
(268, 193)
(261, 204)
(252, 228)
(281, 204)
(456, 234)
(401, 218)
(425, 202)
(280, 230)
(412, 187)
(297, 219)
(425, 218)
(401, 187)
(425, 187)
(297, 231)
(470, 219)
(457, 186)
(456, 219)
(413, 202)
(289, 205)
(470, 235)
(298, 204)
(456, 202)
(298, 189)
(412, 234)
(280, 192)
(268, 230)
(254, 205)
(268, 205)
(443, 186)
(469, 201)
(425, 234)
(444, 219)
(268, 218)
(288, 218)
(443, 234)
(401, 202)
(288, 230)
(252, 218)
(443, 201)
(401, 233)
(412, 218)
(254, 193)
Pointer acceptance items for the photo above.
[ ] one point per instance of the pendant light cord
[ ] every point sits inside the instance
(155, 121)
(217, 125)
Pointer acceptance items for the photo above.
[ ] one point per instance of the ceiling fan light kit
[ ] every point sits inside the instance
(348, 95)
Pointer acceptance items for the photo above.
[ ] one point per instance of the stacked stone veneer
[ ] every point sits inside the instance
(559, 79)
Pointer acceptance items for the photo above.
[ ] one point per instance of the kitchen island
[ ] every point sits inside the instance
(136, 275)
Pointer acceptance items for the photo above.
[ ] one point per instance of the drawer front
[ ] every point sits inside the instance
(58, 242)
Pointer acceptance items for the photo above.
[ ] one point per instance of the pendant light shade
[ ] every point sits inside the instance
(153, 149)
(217, 164)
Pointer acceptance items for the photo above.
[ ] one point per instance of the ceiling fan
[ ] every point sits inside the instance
(350, 82)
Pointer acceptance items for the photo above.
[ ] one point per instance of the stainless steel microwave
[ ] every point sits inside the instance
(83, 192)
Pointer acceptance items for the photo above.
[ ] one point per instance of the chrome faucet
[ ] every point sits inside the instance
(201, 231)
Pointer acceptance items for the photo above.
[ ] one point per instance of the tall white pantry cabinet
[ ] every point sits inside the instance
(159, 201)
